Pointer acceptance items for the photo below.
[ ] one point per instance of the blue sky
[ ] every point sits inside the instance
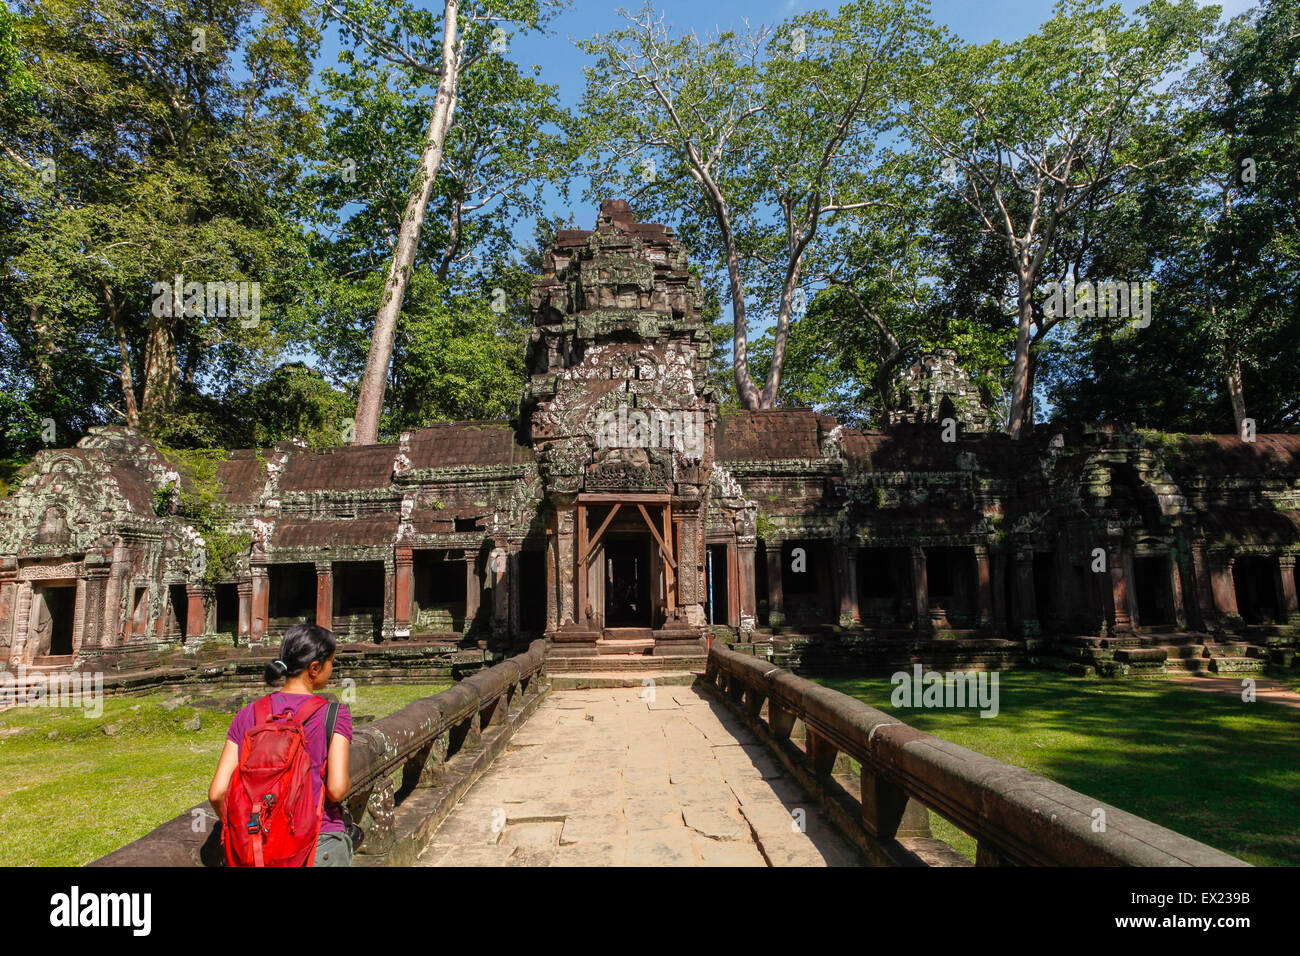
(562, 63)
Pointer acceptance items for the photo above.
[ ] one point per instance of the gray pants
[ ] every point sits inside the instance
(333, 849)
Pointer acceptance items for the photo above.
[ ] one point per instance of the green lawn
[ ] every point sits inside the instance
(69, 800)
(1209, 766)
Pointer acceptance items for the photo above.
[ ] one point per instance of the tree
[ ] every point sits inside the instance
(1031, 133)
(760, 146)
(1216, 226)
(141, 159)
(470, 36)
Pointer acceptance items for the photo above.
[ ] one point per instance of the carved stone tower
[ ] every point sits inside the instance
(622, 421)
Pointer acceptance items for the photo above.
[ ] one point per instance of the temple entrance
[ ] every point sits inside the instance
(627, 581)
(53, 609)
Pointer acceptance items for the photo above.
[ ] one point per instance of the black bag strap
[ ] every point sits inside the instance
(331, 718)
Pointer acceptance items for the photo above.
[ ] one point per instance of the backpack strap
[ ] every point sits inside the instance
(309, 708)
(262, 710)
(331, 718)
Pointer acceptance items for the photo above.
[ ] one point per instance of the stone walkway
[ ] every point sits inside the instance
(1272, 691)
(661, 776)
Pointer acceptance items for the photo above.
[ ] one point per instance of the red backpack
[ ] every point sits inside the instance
(269, 816)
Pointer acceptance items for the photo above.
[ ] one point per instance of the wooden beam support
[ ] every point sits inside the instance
(591, 547)
(667, 551)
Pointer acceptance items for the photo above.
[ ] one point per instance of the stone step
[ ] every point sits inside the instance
(1189, 665)
(629, 663)
(585, 681)
(1236, 665)
(50, 661)
(628, 634)
(624, 648)
(1229, 649)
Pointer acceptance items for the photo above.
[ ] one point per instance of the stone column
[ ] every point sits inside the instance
(196, 610)
(983, 585)
(1117, 564)
(1204, 589)
(552, 581)
(775, 596)
(261, 601)
(22, 623)
(1286, 592)
(8, 606)
(402, 590)
(388, 626)
(514, 570)
(1176, 592)
(1026, 600)
(113, 631)
(325, 595)
(846, 561)
(496, 577)
(93, 632)
(79, 616)
(1000, 611)
(746, 586)
(565, 564)
(1225, 592)
(245, 591)
(921, 590)
(472, 588)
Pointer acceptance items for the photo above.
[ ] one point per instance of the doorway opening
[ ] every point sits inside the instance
(532, 591)
(54, 620)
(1252, 577)
(719, 600)
(1154, 599)
(627, 581)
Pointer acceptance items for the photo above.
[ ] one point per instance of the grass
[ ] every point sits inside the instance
(1209, 766)
(69, 800)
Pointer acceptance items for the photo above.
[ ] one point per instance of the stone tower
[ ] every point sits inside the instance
(621, 419)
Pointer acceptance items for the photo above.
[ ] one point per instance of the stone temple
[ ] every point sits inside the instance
(622, 513)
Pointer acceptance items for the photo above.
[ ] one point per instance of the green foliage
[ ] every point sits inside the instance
(196, 500)
(766, 158)
(137, 156)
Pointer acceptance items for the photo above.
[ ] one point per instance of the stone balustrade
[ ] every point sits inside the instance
(1017, 817)
(423, 758)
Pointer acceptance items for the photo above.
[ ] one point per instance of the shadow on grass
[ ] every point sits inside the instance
(1210, 766)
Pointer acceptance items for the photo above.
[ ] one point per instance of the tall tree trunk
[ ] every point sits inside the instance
(1020, 380)
(42, 370)
(370, 403)
(1236, 393)
(161, 369)
(124, 353)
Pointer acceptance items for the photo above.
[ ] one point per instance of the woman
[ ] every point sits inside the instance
(305, 663)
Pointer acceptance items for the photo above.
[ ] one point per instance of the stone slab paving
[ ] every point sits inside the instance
(626, 777)
(1275, 692)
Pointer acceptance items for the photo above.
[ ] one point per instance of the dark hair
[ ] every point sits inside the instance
(303, 645)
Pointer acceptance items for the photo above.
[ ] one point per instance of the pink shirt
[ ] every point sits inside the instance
(317, 746)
